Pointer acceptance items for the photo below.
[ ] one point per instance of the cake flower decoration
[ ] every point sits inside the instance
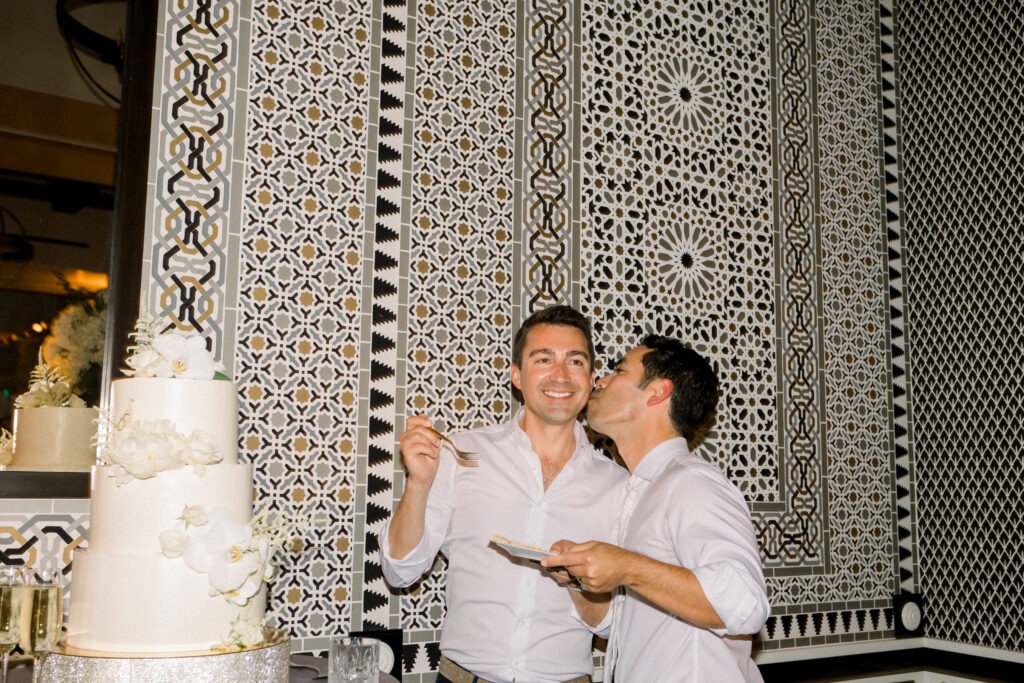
(169, 354)
(195, 515)
(246, 631)
(138, 449)
(229, 555)
(172, 542)
(236, 557)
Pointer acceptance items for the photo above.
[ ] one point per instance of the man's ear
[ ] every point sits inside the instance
(659, 391)
(514, 375)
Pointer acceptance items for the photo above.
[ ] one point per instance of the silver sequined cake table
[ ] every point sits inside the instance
(268, 662)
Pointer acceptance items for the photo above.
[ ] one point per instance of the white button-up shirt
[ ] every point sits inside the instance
(507, 620)
(690, 515)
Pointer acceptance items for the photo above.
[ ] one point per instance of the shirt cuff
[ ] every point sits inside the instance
(407, 570)
(740, 602)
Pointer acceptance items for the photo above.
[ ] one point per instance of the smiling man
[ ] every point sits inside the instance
(686, 561)
(538, 480)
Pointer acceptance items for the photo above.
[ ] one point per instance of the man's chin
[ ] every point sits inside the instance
(560, 416)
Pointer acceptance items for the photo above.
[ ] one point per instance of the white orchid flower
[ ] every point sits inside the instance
(148, 363)
(222, 549)
(250, 586)
(186, 354)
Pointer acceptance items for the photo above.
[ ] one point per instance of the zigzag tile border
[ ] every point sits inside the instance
(906, 512)
(387, 213)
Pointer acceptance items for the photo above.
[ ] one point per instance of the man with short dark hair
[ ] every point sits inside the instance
(686, 562)
(538, 480)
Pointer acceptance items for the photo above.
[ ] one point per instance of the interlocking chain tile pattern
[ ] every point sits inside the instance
(550, 267)
(189, 243)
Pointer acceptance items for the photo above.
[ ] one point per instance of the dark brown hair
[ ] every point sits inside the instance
(694, 383)
(566, 316)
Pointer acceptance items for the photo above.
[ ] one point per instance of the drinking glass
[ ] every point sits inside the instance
(353, 660)
(11, 587)
(41, 615)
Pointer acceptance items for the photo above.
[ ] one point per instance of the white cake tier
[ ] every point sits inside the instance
(146, 603)
(128, 519)
(209, 405)
(54, 438)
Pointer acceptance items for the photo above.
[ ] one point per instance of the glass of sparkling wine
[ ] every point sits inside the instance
(11, 588)
(41, 615)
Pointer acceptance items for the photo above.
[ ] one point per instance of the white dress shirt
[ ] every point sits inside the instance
(690, 515)
(507, 620)
(634, 488)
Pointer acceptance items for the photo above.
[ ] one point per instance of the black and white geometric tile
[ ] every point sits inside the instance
(961, 122)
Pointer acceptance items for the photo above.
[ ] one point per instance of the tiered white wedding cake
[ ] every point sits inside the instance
(175, 562)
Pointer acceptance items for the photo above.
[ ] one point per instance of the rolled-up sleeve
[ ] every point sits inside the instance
(738, 599)
(440, 502)
(719, 547)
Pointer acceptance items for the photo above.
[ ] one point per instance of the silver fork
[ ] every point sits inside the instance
(464, 458)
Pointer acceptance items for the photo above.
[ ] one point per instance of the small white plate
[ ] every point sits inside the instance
(527, 552)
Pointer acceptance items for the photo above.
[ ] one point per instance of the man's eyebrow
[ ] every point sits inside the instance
(616, 363)
(551, 352)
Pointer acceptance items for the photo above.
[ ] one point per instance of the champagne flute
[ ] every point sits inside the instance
(41, 616)
(11, 580)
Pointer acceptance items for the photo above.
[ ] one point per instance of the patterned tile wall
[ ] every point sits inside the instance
(962, 118)
(386, 187)
(192, 247)
(306, 264)
(43, 533)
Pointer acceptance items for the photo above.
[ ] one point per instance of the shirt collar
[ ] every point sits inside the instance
(658, 458)
(515, 432)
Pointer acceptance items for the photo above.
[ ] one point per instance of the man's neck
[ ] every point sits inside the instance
(553, 443)
(634, 446)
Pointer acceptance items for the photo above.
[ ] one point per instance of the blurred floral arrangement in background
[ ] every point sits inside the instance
(48, 388)
(75, 345)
